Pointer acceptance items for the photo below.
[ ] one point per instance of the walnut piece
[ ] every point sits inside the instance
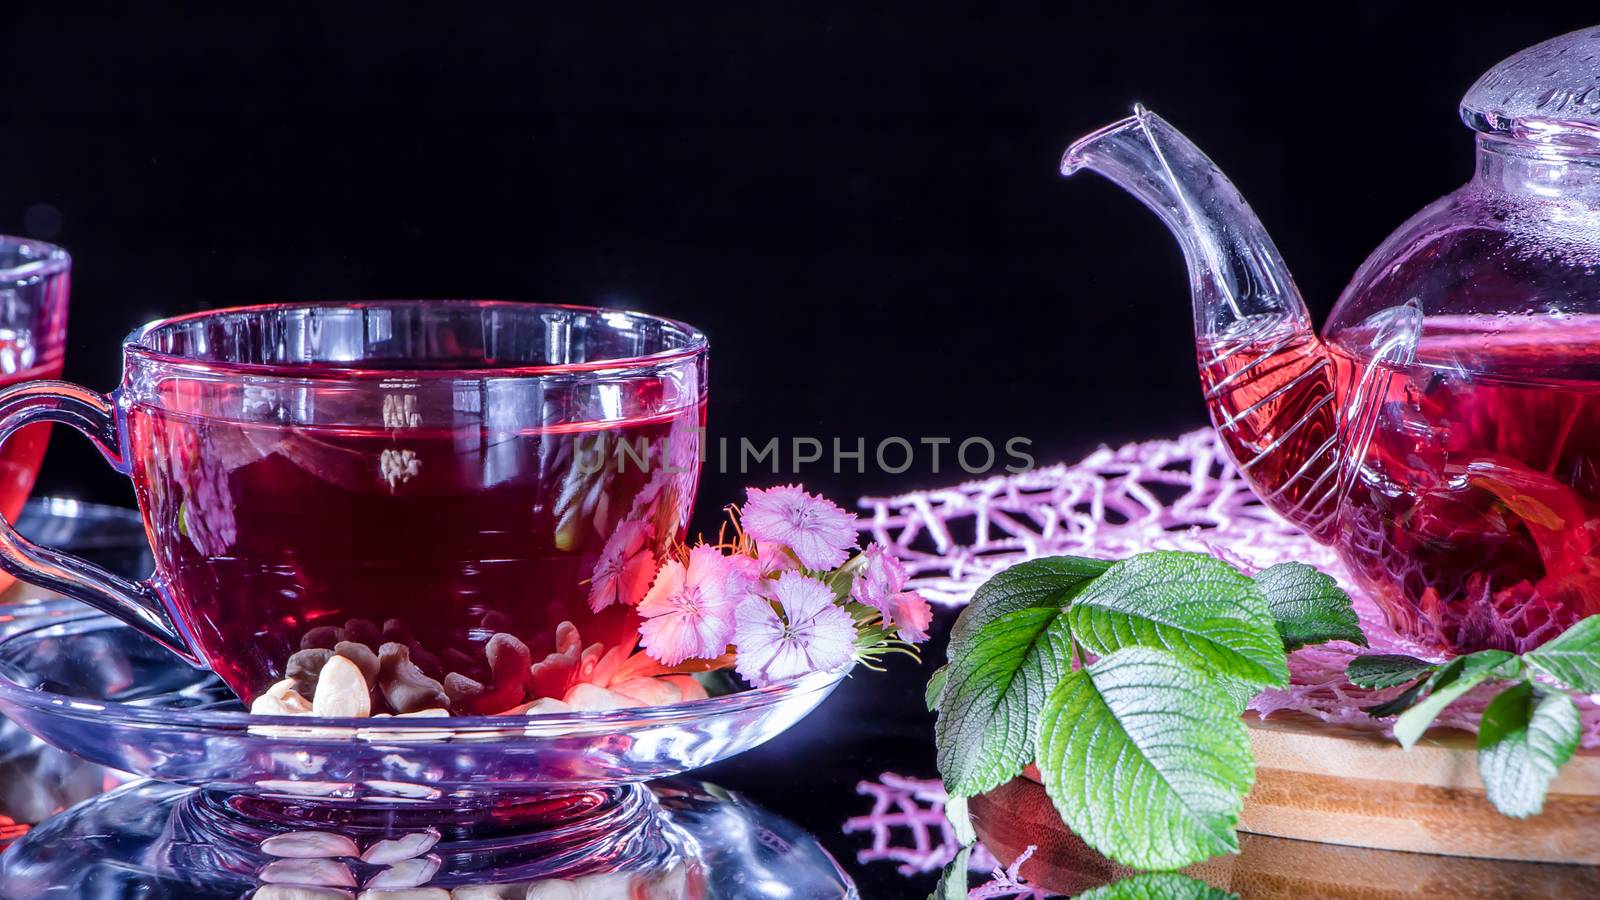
(405, 687)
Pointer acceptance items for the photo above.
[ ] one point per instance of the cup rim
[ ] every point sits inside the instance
(53, 261)
(134, 348)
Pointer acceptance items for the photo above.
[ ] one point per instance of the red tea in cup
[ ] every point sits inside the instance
(428, 474)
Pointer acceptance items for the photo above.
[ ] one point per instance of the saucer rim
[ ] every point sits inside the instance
(89, 620)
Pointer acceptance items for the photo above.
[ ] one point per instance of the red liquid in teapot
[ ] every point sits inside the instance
(1274, 408)
(1476, 513)
(1474, 517)
(438, 537)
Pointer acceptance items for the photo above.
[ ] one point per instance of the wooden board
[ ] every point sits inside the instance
(1340, 813)
(1017, 815)
(1325, 783)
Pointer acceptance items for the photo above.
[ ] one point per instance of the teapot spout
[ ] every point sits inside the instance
(1238, 280)
(1269, 381)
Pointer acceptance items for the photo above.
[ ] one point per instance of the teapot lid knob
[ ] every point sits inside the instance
(1548, 93)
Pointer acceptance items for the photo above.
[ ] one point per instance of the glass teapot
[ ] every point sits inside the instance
(1444, 432)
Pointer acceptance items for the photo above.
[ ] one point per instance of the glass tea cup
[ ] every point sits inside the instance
(35, 279)
(428, 474)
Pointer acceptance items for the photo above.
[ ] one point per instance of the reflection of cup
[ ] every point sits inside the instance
(34, 282)
(423, 474)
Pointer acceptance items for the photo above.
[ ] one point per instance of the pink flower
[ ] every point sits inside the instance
(771, 559)
(743, 576)
(806, 633)
(880, 577)
(625, 568)
(819, 533)
(689, 611)
(912, 613)
(878, 584)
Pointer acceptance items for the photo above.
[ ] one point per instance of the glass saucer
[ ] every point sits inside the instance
(111, 537)
(675, 840)
(37, 780)
(96, 688)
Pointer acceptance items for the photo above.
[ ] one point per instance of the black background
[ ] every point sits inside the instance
(860, 206)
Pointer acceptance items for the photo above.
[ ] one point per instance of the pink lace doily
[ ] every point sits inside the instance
(1180, 494)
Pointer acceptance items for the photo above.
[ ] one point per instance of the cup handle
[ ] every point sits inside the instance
(137, 603)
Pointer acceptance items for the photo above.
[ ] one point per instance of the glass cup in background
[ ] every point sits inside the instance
(35, 279)
(422, 473)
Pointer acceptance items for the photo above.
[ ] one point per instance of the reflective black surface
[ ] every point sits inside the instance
(875, 722)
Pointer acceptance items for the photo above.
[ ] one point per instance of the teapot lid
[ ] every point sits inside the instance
(1548, 93)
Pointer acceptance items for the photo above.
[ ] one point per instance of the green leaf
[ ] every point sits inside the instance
(935, 688)
(1200, 609)
(1145, 759)
(1308, 606)
(992, 696)
(844, 577)
(1525, 737)
(1449, 684)
(955, 812)
(1049, 581)
(1005, 656)
(1157, 886)
(1573, 657)
(1383, 670)
(954, 881)
(1239, 692)
(1399, 703)
(1490, 663)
